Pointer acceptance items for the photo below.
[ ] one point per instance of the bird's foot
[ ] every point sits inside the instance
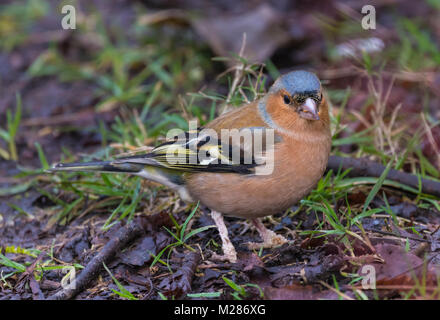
(229, 253)
(270, 238)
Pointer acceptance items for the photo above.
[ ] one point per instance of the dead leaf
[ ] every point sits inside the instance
(224, 33)
(140, 253)
(402, 268)
(297, 292)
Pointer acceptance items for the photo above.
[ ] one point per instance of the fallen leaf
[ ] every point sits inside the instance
(224, 32)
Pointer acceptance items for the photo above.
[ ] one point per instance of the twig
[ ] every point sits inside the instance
(385, 233)
(124, 236)
(367, 168)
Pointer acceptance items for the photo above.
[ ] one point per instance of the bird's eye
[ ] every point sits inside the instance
(286, 99)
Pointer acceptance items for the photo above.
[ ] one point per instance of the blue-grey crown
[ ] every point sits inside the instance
(297, 82)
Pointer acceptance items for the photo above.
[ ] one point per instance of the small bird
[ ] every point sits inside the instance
(291, 127)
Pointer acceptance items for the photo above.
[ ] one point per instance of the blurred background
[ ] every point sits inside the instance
(133, 69)
(160, 61)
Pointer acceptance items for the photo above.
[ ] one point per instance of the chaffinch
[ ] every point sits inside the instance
(289, 126)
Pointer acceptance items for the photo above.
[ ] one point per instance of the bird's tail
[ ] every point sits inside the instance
(103, 166)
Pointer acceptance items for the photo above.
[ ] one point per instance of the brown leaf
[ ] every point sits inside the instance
(248, 261)
(180, 282)
(262, 25)
(401, 267)
(297, 292)
(140, 253)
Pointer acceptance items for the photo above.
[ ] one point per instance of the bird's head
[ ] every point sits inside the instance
(301, 92)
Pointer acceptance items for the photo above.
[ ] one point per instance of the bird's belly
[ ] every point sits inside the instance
(251, 196)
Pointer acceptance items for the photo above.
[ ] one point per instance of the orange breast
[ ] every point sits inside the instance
(299, 162)
(298, 166)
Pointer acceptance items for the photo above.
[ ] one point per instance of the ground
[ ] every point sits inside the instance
(132, 70)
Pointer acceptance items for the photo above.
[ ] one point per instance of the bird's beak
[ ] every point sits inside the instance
(309, 110)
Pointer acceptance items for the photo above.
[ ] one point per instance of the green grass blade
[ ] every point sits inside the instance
(376, 187)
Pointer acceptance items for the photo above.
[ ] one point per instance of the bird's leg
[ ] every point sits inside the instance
(229, 252)
(270, 238)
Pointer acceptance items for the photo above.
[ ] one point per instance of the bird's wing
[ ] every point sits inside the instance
(204, 151)
(244, 117)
